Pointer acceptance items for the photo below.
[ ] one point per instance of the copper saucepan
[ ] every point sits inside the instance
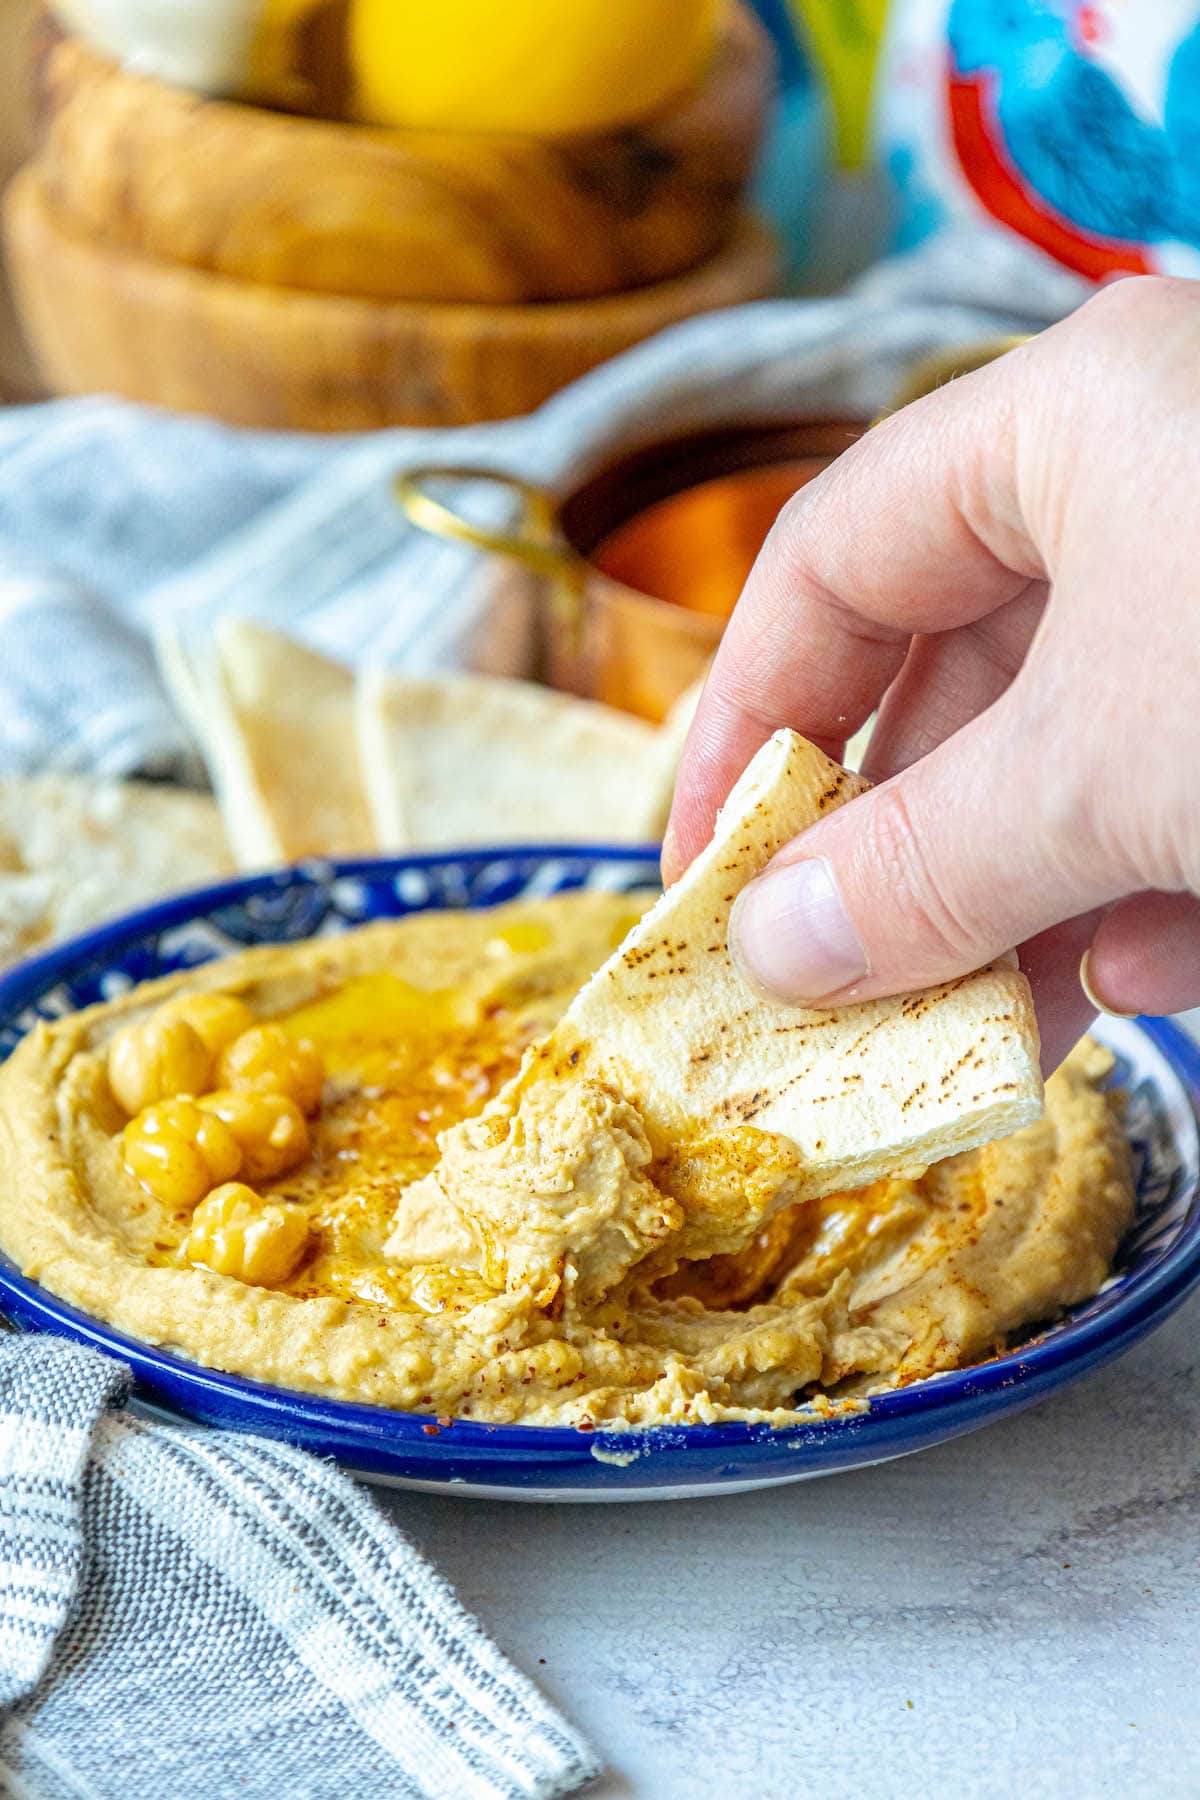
(638, 568)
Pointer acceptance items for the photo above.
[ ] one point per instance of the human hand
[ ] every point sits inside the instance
(1010, 570)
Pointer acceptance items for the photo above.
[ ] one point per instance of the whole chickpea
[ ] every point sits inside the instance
(156, 1060)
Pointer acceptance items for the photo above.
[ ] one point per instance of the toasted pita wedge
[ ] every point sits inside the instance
(75, 852)
(747, 1106)
(275, 722)
(472, 759)
(861, 1091)
(856, 749)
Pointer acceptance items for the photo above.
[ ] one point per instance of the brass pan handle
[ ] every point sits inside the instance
(536, 542)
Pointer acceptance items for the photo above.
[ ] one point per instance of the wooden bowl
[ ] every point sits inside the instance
(101, 316)
(18, 380)
(338, 208)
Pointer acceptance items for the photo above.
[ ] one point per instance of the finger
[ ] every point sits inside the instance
(932, 874)
(915, 529)
(1051, 963)
(771, 649)
(948, 680)
(1145, 956)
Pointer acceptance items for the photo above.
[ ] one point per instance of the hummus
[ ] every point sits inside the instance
(520, 1258)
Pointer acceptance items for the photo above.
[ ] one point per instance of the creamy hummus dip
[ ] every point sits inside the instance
(530, 1268)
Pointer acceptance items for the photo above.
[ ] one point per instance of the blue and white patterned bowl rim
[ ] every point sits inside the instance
(1158, 1262)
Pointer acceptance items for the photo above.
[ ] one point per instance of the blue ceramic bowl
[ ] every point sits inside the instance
(1158, 1265)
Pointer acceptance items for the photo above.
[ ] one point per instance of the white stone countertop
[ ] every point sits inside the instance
(1017, 1612)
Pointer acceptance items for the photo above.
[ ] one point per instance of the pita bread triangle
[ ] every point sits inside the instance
(74, 852)
(862, 1091)
(457, 760)
(275, 721)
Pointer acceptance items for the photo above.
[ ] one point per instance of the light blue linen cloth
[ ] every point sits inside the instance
(116, 520)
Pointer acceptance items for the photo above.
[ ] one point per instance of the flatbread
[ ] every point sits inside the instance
(275, 721)
(75, 852)
(670, 738)
(461, 760)
(861, 1091)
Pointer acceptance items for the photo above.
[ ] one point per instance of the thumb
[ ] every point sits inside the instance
(939, 870)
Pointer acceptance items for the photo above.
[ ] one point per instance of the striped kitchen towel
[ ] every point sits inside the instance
(190, 1615)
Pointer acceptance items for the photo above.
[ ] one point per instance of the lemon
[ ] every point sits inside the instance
(544, 67)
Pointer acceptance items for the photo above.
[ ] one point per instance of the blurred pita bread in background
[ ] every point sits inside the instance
(670, 738)
(472, 759)
(309, 759)
(275, 723)
(75, 852)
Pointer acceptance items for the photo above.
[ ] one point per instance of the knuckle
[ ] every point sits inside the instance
(1135, 304)
(806, 542)
(1131, 346)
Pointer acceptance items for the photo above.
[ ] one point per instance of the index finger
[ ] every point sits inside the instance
(915, 529)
